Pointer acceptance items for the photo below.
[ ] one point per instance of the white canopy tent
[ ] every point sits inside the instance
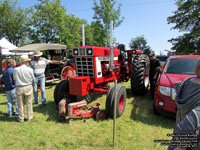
(5, 46)
(39, 46)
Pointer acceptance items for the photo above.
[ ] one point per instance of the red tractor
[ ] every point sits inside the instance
(93, 74)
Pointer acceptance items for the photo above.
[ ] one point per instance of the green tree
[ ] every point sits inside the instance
(89, 40)
(70, 33)
(140, 43)
(98, 33)
(47, 19)
(13, 22)
(51, 24)
(187, 20)
(104, 12)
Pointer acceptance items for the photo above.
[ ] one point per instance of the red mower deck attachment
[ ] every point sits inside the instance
(79, 109)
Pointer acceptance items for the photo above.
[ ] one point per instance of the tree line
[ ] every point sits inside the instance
(48, 22)
(186, 19)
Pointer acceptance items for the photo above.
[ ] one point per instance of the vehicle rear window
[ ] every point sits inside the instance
(181, 66)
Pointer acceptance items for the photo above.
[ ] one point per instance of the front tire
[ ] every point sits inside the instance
(121, 101)
(62, 91)
(140, 74)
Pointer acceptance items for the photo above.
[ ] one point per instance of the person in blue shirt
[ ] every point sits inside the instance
(10, 88)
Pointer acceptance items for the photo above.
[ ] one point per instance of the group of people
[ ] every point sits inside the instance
(21, 82)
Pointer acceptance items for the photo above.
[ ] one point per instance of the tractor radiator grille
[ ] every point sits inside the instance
(84, 66)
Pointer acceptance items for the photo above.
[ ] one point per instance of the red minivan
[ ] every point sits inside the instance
(176, 69)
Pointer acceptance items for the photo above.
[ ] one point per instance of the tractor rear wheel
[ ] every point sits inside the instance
(62, 91)
(140, 74)
(121, 101)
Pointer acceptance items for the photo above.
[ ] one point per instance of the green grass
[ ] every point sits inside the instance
(136, 129)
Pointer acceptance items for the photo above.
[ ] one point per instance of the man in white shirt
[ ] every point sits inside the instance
(24, 78)
(39, 64)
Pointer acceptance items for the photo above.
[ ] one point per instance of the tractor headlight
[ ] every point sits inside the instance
(75, 51)
(165, 91)
(89, 51)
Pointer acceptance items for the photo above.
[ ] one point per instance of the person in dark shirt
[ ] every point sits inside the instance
(10, 88)
(153, 75)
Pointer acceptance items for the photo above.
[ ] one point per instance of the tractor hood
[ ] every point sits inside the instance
(168, 80)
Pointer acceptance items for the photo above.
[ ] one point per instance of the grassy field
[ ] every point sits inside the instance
(136, 129)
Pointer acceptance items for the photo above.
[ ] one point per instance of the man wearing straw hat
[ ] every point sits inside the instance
(38, 64)
(24, 77)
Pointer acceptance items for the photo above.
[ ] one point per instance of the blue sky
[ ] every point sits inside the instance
(143, 17)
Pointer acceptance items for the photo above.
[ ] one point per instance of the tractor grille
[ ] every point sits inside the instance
(84, 66)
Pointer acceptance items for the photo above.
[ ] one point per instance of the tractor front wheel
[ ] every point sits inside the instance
(121, 101)
(140, 74)
(62, 91)
(67, 72)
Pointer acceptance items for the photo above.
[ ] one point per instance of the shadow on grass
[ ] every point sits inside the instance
(50, 109)
(143, 111)
(3, 93)
(4, 103)
(93, 96)
(129, 93)
(5, 118)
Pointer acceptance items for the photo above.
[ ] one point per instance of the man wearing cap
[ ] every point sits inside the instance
(24, 78)
(10, 88)
(38, 64)
(153, 75)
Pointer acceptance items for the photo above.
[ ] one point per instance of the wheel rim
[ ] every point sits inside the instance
(121, 102)
(66, 73)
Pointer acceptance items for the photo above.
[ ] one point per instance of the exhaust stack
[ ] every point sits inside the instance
(111, 46)
(83, 35)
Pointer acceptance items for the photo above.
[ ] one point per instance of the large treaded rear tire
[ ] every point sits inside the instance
(140, 74)
(62, 91)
